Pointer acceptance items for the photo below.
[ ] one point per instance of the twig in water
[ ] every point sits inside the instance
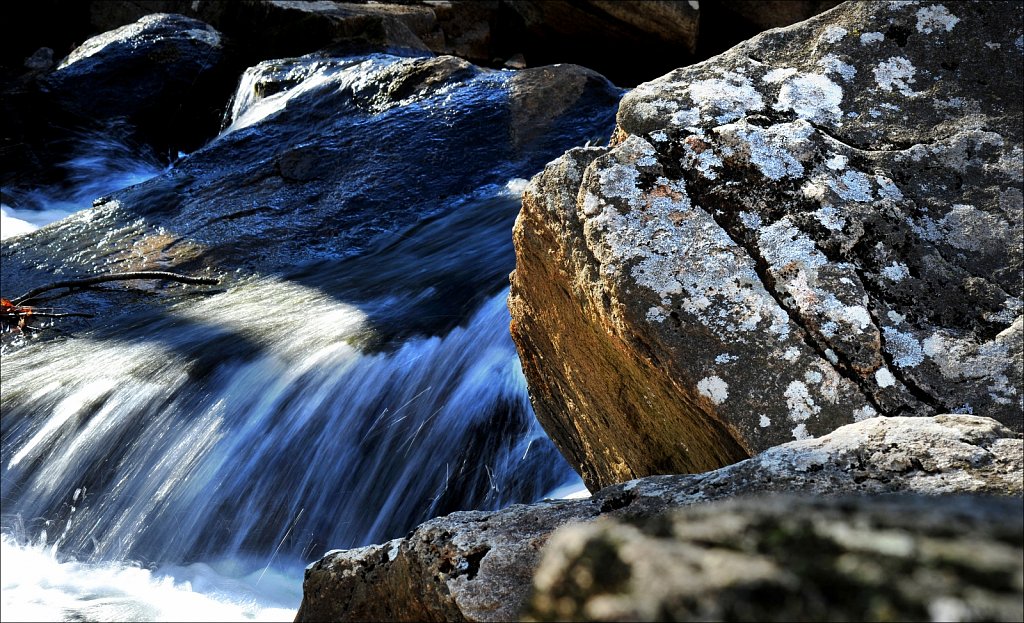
(139, 274)
(274, 555)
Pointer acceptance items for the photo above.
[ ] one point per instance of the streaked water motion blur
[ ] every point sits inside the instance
(334, 407)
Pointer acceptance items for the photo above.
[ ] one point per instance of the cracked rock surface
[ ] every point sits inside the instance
(819, 226)
(792, 558)
(477, 566)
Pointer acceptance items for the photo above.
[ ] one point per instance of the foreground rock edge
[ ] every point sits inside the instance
(478, 566)
(788, 557)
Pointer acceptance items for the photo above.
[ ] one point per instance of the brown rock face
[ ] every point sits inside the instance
(477, 566)
(821, 225)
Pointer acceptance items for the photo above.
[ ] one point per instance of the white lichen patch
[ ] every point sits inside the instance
(687, 117)
(864, 413)
(786, 247)
(791, 354)
(832, 64)
(814, 189)
(778, 75)
(834, 33)
(935, 18)
(969, 229)
(727, 98)
(703, 159)
(811, 96)
(896, 73)
(673, 249)
(714, 389)
(764, 421)
(904, 348)
(725, 358)
(656, 314)
(799, 402)
(871, 37)
(750, 220)
(830, 218)
(857, 316)
(884, 378)
(773, 150)
(887, 189)
(895, 272)
(853, 186)
(837, 162)
(993, 363)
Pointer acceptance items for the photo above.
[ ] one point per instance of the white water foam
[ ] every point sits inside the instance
(37, 586)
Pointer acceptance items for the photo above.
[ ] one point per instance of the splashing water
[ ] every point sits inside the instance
(335, 407)
(101, 165)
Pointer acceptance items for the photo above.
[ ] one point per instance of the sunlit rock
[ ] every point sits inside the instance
(476, 566)
(821, 225)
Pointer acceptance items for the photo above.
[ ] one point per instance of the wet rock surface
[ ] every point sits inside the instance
(820, 225)
(476, 565)
(324, 159)
(791, 558)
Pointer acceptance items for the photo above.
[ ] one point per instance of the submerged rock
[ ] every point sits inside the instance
(819, 226)
(476, 566)
(792, 558)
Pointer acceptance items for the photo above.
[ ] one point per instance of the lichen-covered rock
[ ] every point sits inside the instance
(476, 566)
(792, 558)
(821, 225)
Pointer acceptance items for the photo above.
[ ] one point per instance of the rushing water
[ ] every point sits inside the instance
(188, 464)
(101, 165)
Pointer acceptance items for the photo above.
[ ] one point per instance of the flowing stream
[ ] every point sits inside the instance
(187, 463)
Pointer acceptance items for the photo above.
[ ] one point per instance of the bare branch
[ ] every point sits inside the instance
(140, 274)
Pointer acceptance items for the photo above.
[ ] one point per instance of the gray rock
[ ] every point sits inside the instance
(476, 566)
(792, 558)
(820, 225)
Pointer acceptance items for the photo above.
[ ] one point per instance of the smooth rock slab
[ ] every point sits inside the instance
(477, 566)
(817, 226)
(792, 558)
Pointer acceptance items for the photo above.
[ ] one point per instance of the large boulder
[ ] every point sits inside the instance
(159, 81)
(792, 558)
(818, 226)
(477, 566)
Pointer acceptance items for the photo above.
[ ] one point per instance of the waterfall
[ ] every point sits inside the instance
(334, 407)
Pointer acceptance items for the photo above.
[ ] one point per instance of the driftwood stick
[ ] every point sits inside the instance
(139, 274)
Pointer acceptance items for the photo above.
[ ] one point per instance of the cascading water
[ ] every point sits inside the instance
(354, 377)
(102, 163)
(281, 418)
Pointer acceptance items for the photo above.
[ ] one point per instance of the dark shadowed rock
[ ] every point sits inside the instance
(476, 566)
(817, 226)
(158, 83)
(154, 73)
(617, 38)
(792, 558)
